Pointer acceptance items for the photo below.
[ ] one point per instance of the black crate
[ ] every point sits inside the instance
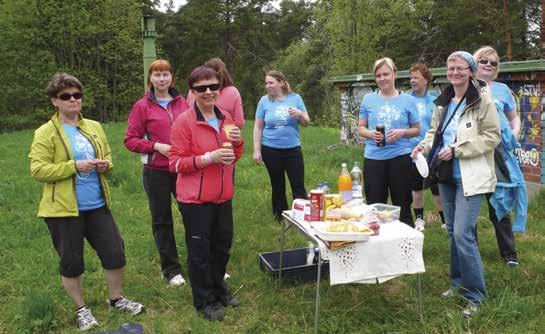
(294, 265)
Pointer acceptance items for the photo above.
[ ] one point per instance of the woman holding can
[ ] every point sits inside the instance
(388, 118)
(148, 133)
(205, 147)
(463, 134)
(276, 139)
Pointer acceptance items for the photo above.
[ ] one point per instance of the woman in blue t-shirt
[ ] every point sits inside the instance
(511, 182)
(386, 167)
(276, 139)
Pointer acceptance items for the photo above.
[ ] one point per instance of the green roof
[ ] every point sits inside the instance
(507, 67)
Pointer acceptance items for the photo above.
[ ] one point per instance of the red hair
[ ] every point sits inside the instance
(160, 65)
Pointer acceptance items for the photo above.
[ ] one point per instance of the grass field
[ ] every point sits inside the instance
(33, 300)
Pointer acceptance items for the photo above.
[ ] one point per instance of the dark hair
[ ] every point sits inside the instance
(160, 65)
(60, 82)
(423, 69)
(280, 77)
(201, 73)
(219, 66)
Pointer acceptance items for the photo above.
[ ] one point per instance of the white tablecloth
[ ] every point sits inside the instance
(397, 250)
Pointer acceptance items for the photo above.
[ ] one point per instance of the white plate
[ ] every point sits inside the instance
(422, 165)
(321, 231)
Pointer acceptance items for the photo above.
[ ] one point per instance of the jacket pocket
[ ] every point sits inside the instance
(200, 185)
(53, 192)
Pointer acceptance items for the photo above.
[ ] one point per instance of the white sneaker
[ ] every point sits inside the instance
(177, 280)
(470, 310)
(444, 226)
(226, 276)
(85, 319)
(126, 305)
(419, 224)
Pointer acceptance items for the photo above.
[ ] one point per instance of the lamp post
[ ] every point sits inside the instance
(148, 34)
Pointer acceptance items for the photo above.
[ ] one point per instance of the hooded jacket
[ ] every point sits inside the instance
(477, 135)
(150, 123)
(52, 162)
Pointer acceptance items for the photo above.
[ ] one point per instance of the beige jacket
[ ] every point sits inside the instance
(477, 136)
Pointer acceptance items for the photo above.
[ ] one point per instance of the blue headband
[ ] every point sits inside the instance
(468, 57)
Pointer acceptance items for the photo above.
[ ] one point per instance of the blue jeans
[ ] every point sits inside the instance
(461, 213)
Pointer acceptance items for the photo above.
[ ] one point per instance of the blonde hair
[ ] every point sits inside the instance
(280, 77)
(384, 62)
(485, 51)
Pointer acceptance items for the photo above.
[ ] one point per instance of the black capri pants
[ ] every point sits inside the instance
(99, 228)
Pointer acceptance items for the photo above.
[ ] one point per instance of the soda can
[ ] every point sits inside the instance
(382, 129)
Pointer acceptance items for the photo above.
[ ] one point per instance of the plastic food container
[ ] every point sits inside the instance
(386, 213)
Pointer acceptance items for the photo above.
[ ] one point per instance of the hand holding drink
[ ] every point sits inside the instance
(228, 155)
(294, 112)
(232, 132)
(379, 135)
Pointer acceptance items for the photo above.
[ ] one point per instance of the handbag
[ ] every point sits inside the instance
(440, 170)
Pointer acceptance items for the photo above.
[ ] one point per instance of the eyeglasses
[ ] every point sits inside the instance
(486, 61)
(67, 97)
(457, 69)
(203, 88)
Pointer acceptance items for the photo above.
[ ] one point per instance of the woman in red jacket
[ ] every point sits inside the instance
(205, 146)
(150, 121)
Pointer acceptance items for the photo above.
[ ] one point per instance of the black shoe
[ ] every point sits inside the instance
(229, 300)
(512, 261)
(213, 312)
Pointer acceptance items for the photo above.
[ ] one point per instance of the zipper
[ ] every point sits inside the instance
(68, 156)
(222, 166)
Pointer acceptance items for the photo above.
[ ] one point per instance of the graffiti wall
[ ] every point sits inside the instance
(529, 91)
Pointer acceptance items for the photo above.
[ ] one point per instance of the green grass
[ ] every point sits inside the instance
(33, 300)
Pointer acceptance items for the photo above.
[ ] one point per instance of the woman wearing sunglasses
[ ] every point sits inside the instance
(511, 189)
(276, 139)
(148, 133)
(229, 100)
(205, 147)
(71, 156)
(464, 130)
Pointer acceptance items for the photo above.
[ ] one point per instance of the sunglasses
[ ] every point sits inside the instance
(486, 61)
(203, 88)
(67, 97)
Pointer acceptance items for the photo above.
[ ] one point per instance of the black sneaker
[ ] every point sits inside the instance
(512, 262)
(229, 300)
(213, 312)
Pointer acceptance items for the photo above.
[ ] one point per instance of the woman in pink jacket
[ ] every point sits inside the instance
(150, 122)
(229, 99)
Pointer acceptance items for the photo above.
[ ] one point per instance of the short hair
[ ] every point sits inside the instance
(384, 61)
(488, 50)
(280, 77)
(201, 73)
(423, 69)
(160, 65)
(219, 66)
(61, 81)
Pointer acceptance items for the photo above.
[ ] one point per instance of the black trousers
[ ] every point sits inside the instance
(280, 162)
(208, 235)
(389, 176)
(504, 233)
(160, 186)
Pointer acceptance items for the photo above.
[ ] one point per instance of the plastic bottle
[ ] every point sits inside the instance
(357, 181)
(325, 187)
(345, 184)
(310, 253)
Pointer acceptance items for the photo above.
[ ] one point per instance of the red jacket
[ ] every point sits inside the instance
(150, 123)
(192, 137)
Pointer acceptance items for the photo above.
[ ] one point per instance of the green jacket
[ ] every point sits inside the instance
(52, 162)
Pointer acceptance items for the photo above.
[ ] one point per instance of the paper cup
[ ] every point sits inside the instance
(227, 129)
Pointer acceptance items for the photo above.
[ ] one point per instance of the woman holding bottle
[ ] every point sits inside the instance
(276, 139)
(388, 118)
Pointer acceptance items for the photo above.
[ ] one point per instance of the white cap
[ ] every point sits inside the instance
(343, 164)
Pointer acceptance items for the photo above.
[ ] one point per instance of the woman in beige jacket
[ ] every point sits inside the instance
(467, 120)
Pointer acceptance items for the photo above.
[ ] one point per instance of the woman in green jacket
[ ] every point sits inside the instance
(71, 156)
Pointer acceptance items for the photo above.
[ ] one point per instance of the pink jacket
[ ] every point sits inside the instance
(150, 123)
(192, 137)
(229, 101)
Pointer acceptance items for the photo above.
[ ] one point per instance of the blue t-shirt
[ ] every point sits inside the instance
(214, 123)
(395, 113)
(449, 133)
(280, 130)
(503, 98)
(88, 191)
(164, 102)
(425, 108)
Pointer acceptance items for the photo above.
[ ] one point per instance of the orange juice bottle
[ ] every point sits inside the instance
(345, 184)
